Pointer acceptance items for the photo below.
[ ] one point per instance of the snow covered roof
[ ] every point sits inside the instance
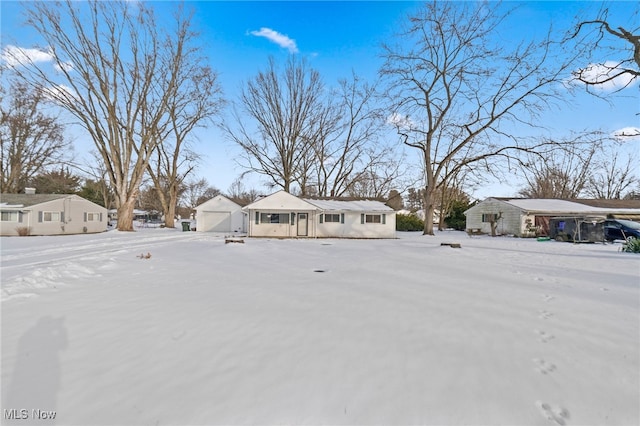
(27, 200)
(550, 205)
(547, 205)
(355, 205)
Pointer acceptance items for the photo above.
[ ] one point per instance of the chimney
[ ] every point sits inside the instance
(30, 191)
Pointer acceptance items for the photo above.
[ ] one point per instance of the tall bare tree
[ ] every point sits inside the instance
(197, 100)
(603, 35)
(455, 87)
(31, 140)
(346, 145)
(284, 107)
(118, 69)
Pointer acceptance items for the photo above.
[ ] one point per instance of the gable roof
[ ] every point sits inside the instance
(280, 200)
(28, 200)
(218, 200)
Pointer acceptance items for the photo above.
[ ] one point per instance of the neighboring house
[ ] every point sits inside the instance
(50, 214)
(530, 217)
(220, 214)
(283, 215)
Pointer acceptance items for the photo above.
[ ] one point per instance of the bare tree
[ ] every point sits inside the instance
(346, 138)
(197, 192)
(118, 69)
(611, 177)
(454, 89)
(197, 100)
(31, 140)
(602, 35)
(564, 174)
(284, 109)
(240, 194)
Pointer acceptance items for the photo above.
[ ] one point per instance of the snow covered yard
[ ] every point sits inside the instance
(340, 332)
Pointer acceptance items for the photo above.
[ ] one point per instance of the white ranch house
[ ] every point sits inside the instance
(220, 214)
(282, 215)
(530, 217)
(50, 214)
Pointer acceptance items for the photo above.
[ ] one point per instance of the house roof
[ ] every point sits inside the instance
(350, 205)
(282, 200)
(28, 200)
(559, 206)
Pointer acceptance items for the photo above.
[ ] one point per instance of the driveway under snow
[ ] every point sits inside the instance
(333, 332)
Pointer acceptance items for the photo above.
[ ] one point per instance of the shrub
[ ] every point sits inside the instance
(409, 222)
(632, 246)
(23, 231)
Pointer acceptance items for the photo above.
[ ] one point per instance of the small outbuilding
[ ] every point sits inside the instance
(283, 215)
(50, 214)
(527, 217)
(220, 214)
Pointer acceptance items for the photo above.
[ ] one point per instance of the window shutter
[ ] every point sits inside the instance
(257, 218)
(341, 217)
(293, 216)
(384, 218)
(20, 217)
(40, 216)
(61, 216)
(85, 216)
(362, 218)
(100, 217)
(321, 218)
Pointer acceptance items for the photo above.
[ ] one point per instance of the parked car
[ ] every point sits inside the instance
(620, 229)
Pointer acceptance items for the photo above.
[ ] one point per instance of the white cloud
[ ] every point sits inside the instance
(14, 56)
(627, 132)
(400, 121)
(64, 66)
(595, 73)
(279, 39)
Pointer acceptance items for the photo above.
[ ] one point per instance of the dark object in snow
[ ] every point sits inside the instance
(577, 229)
(233, 240)
(319, 270)
(452, 245)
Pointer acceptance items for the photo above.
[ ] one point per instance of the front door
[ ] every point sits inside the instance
(303, 224)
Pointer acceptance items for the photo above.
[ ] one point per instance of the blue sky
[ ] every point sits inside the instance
(338, 37)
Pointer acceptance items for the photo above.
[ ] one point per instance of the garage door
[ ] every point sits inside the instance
(217, 222)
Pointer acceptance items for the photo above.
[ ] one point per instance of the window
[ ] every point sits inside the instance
(51, 216)
(489, 217)
(373, 218)
(10, 217)
(332, 218)
(274, 217)
(93, 217)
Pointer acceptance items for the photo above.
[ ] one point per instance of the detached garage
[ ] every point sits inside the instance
(220, 214)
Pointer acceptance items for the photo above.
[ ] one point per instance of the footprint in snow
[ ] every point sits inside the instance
(543, 367)
(558, 415)
(544, 337)
(547, 297)
(544, 315)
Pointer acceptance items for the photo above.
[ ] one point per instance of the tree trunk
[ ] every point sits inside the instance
(125, 214)
(429, 207)
(170, 209)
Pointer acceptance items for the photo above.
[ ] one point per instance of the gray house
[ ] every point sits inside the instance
(50, 214)
(530, 217)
